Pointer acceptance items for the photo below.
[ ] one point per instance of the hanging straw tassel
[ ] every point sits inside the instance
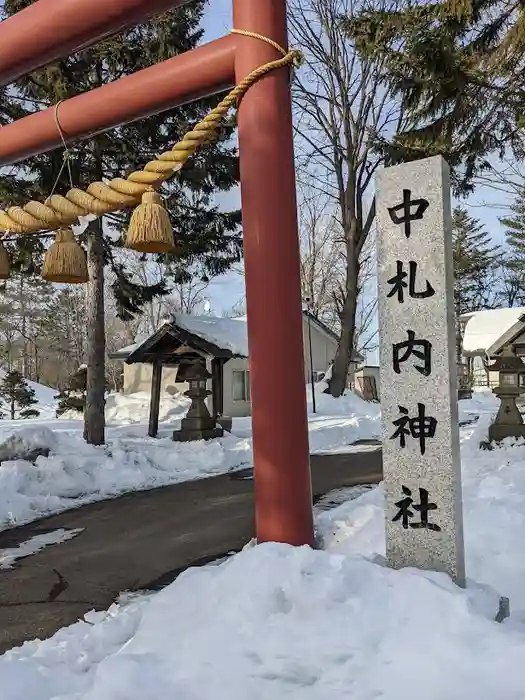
(4, 263)
(65, 260)
(150, 229)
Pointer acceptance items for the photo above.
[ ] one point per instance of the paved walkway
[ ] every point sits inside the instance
(139, 541)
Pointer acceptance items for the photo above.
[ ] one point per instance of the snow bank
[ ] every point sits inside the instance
(75, 473)
(340, 422)
(493, 483)
(333, 626)
(129, 409)
(349, 404)
(336, 623)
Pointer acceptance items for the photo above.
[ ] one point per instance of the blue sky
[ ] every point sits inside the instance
(229, 289)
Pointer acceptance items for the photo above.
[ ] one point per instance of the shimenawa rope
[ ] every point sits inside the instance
(101, 198)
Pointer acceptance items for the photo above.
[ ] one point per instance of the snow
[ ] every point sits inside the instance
(339, 422)
(75, 473)
(334, 627)
(300, 624)
(226, 333)
(484, 329)
(45, 396)
(35, 544)
(337, 623)
(128, 349)
(483, 402)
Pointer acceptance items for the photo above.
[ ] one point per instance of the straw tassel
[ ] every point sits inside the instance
(65, 260)
(4, 263)
(150, 229)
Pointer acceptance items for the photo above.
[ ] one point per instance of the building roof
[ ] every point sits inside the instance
(486, 332)
(222, 337)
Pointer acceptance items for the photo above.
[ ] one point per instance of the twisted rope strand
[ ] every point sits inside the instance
(101, 198)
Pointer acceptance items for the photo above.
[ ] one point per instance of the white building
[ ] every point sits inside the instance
(485, 334)
(223, 342)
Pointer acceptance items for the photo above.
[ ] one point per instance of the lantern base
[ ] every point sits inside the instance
(500, 431)
(185, 435)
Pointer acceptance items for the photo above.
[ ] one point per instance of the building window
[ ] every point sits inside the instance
(241, 385)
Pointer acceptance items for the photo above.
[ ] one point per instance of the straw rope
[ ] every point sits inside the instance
(100, 198)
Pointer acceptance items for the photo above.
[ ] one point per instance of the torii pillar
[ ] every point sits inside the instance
(283, 494)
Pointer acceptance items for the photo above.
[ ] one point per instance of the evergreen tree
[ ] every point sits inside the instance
(514, 225)
(475, 262)
(458, 66)
(18, 396)
(73, 397)
(204, 233)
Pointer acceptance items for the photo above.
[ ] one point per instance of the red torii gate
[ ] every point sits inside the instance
(52, 29)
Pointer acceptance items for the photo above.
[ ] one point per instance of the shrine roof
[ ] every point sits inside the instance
(209, 335)
(487, 331)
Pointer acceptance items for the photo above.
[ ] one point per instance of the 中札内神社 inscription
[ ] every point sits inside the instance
(424, 526)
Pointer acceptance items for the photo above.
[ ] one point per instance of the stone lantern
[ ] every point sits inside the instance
(198, 423)
(508, 422)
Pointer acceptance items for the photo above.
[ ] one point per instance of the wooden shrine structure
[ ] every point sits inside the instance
(173, 346)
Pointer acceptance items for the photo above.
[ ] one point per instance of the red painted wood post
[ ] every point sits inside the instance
(283, 494)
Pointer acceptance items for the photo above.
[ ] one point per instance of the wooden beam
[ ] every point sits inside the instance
(155, 399)
(220, 392)
(217, 386)
(52, 29)
(201, 72)
(215, 370)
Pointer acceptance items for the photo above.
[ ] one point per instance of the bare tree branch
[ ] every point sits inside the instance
(341, 106)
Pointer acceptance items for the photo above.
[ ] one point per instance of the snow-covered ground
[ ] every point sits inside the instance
(45, 396)
(482, 403)
(281, 622)
(75, 473)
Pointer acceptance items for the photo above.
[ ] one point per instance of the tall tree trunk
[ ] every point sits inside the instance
(339, 379)
(94, 420)
(26, 347)
(12, 408)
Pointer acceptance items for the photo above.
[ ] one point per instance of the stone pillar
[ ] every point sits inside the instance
(421, 460)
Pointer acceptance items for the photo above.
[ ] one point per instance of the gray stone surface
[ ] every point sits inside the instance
(437, 470)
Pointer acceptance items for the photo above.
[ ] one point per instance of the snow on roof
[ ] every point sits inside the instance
(486, 331)
(226, 333)
(124, 352)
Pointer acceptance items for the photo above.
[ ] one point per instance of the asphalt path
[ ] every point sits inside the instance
(141, 541)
